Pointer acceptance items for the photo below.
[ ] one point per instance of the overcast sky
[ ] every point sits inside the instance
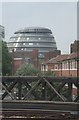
(60, 17)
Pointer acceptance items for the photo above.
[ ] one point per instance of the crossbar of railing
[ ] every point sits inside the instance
(40, 87)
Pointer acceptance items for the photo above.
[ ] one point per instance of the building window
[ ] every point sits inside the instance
(46, 67)
(23, 43)
(14, 44)
(27, 38)
(67, 65)
(63, 65)
(76, 64)
(56, 67)
(72, 64)
(21, 48)
(25, 49)
(30, 43)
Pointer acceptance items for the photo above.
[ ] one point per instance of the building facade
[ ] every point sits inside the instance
(30, 38)
(74, 47)
(63, 65)
(22, 57)
(2, 32)
(32, 45)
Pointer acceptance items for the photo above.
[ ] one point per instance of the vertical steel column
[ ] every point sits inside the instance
(19, 89)
(70, 92)
(43, 96)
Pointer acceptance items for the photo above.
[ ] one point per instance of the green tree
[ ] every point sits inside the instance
(6, 60)
(0, 56)
(48, 73)
(27, 69)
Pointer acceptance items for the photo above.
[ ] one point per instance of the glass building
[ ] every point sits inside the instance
(2, 32)
(30, 38)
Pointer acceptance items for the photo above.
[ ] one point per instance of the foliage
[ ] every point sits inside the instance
(27, 69)
(6, 60)
(48, 73)
(0, 56)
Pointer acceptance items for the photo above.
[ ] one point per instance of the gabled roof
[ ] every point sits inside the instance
(73, 55)
(58, 58)
(62, 57)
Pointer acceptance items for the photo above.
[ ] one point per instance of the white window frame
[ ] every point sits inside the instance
(56, 67)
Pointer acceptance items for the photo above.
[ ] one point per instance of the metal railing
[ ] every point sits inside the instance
(40, 88)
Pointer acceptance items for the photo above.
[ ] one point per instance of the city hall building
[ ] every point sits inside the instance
(32, 45)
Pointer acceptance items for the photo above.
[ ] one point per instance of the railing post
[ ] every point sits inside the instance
(43, 97)
(19, 89)
(70, 92)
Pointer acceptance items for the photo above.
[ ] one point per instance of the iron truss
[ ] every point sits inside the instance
(40, 88)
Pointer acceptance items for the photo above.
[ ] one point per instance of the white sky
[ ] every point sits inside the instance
(39, 0)
(60, 17)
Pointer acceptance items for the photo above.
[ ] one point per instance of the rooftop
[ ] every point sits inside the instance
(34, 29)
(63, 57)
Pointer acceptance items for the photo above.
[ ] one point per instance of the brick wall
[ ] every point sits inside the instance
(74, 47)
(31, 57)
(51, 54)
(16, 64)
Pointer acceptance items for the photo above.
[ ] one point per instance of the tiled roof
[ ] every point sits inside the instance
(58, 58)
(62, 57)
(73, 55)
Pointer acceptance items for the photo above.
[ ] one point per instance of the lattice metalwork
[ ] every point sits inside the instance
(40, 88)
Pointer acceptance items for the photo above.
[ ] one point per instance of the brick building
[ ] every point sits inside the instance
(33, 57)
(63, 65)
(74, 47)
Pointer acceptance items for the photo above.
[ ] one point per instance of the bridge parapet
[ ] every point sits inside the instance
(40, 88)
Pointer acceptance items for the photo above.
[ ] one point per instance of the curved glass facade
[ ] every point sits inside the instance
(31, 38)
